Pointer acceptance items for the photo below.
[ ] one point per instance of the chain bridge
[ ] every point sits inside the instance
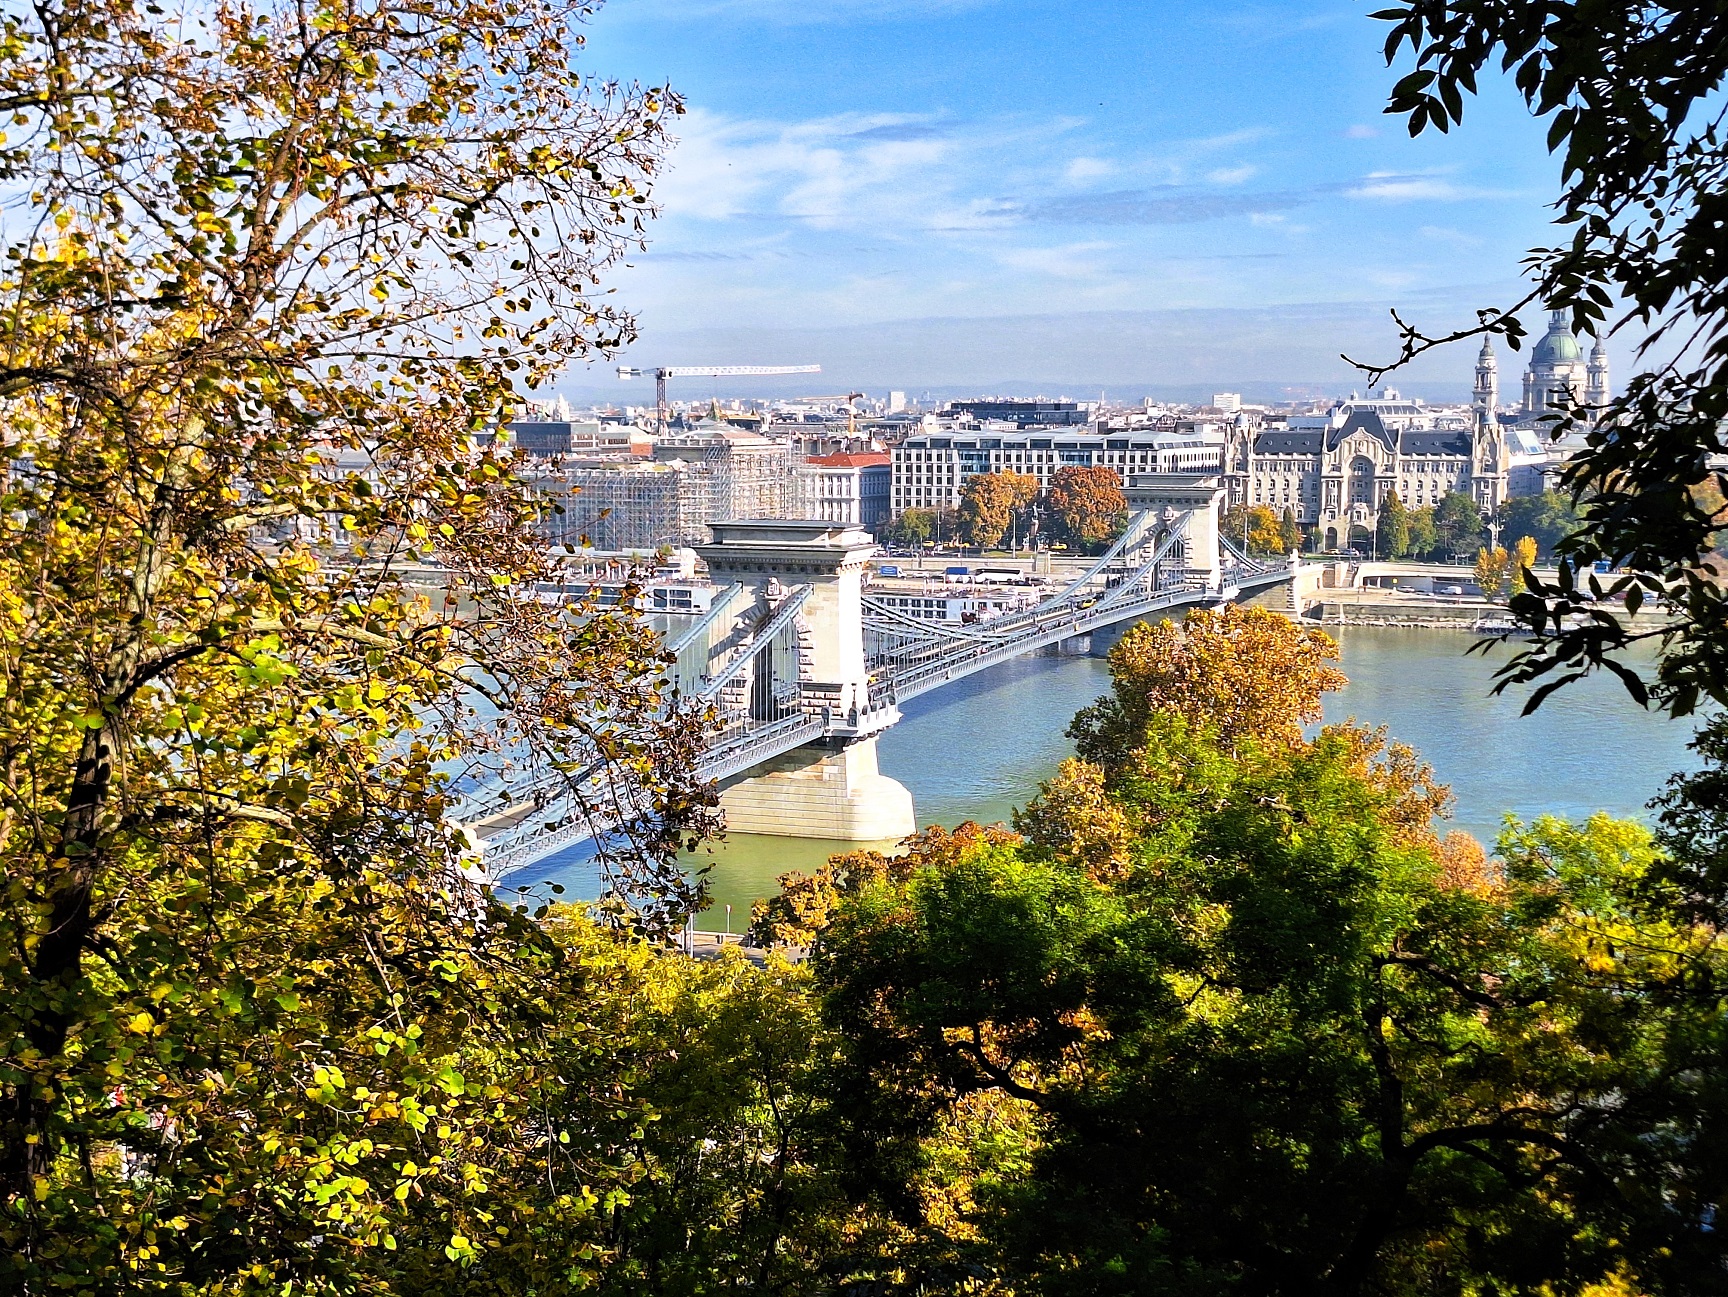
(802, 668)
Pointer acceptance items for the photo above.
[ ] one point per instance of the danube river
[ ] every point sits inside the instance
(979, 747)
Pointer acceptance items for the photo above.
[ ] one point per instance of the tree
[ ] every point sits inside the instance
(1629, 90)
(913, 527)
(1492, 566)
(1264, 531)
(716, 1117)
(1239, 672)
(1286, 1040)
(1457, 523)
(1086, 505)
(1394, 527)
(270, 272)
(805, 903)
(1289, 532)
(1424, 534)
(989, 502)
(1523, 561)
(1549, 518)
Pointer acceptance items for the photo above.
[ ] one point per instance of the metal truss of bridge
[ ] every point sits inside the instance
(803, 669)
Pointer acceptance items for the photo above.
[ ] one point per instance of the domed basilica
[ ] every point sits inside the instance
(1557, 378)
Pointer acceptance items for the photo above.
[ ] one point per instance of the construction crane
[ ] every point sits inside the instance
(663, 372)
(851, 410)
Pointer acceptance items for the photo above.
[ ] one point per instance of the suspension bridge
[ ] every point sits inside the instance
(802, 668)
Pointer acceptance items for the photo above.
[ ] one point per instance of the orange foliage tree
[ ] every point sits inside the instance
(806, 902)
(988, 503)
(1245, 672)
(1086, 505)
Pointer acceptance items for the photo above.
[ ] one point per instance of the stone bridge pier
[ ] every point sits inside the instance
(830, 788)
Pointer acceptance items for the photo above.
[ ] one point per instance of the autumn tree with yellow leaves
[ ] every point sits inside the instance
(273, 274)
(989, 503)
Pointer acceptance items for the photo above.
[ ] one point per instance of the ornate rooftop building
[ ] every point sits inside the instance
(1334, 471)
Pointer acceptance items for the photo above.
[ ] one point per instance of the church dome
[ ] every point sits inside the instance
(1558, 345)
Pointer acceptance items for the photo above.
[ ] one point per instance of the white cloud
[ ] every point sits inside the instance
(828, 172)
(1232, 175)
(1445, 234)
(1362, 131)
(1386, 186)
(1081, 169)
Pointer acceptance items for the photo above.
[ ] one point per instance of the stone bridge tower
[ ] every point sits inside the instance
(829, 789)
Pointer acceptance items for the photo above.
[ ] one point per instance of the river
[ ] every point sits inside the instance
(979, 747)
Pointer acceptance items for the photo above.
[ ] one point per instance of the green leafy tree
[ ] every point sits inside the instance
(1289, 532)
(1457, 523)
(1424, 534)
(1549, 517)
(1394, 535)
(913, 527)
(1629, 93)
(703, 1089)
(1289, 1042)
(270, 272)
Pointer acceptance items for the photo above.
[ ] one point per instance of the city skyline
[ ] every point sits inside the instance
(1056, 195)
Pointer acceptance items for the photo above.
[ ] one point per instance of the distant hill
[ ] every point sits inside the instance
(1266, 353)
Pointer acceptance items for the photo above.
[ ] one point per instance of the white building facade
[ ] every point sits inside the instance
(848, 488)
(930, 470)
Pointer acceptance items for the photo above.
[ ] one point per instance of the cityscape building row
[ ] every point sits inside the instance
(931, 469)
(614, 485)
(1335, 473)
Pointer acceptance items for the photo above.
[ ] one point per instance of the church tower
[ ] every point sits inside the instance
(1556, 378)
(1486, 396)
(1596, 393)
(1488, 442)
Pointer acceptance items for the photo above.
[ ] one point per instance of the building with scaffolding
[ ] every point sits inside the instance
(623, 505)
(694, 477)
(741, 474)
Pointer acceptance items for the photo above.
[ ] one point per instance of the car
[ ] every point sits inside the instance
(1352, 552)
(1452, 589)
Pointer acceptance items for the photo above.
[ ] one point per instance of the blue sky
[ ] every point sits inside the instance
(961, 194)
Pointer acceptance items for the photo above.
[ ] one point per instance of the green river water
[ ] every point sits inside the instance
(979, 747)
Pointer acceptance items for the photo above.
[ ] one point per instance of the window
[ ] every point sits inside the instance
(1361, 480)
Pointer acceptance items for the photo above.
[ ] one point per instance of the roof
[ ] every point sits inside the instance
(1288, 443)
(1362, 421)
(864, 459)
(1414, 441)
(1446, 441)
(1559, 346)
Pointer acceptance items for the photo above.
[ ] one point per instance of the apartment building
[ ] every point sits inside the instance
(848, 487)
(930, 470)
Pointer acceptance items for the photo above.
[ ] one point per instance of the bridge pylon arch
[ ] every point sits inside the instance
(829, 787)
